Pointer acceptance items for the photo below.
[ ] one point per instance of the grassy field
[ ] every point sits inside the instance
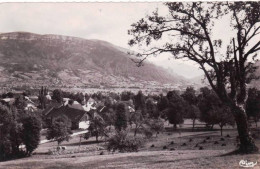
(170, 149)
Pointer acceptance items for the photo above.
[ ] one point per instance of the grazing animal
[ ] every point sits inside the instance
(101, 153)
(152, 145)
(172, 149)
(228, 135)
(164, 147)
(222, 139)
(201, 148)
(63, 147)
(172, 142)
(184, 144)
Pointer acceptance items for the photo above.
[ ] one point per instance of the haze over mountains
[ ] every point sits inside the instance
(34, 59)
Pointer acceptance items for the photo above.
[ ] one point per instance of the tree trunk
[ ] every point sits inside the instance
(135, 131)
(193, 124)
(221, 129)
(175, 126)
(247, 144)
(97, 137)
(212, 126)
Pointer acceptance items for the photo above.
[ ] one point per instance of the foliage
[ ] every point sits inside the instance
(7, 123)
(139, 102)
(126, 95)
(176, 108)
(213, 111)
(189, 95)
(253, 104)
(156, 125)
(151, 108)
(87, 135)
(163, 105)
(31, 133)
(121, 117)
(20, 103)
(42, 97)
(97, 126)
(138, 120)
(59, 130)
(124, 143)
(192, 110)
(57, 95)
(17, 129)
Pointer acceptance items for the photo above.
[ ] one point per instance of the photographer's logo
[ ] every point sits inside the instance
(245, 163)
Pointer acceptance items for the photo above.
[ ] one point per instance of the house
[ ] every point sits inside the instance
(51, 106)
(72, 104)
(91, 101)
(78, 118)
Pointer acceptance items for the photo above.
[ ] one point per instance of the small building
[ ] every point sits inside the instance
(78, 118)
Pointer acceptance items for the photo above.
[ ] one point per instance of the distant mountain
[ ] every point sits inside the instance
(201, 81)
(33, 59)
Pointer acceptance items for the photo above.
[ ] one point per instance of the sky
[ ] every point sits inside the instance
(103, 21)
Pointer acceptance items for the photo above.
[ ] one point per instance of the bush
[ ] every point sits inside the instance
(124, 143)
(148, 133)
(87, 135)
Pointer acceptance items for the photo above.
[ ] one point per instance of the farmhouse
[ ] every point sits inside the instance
(78, 118)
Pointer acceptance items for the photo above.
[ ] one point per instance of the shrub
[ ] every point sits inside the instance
(148, 133)
(87, 135)
(124, 143)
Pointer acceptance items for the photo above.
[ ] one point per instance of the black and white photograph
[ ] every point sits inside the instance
(130, 85)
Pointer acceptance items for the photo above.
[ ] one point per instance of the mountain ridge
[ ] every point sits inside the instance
(29, 58)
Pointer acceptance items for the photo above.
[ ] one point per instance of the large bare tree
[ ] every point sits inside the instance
(187, 32)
